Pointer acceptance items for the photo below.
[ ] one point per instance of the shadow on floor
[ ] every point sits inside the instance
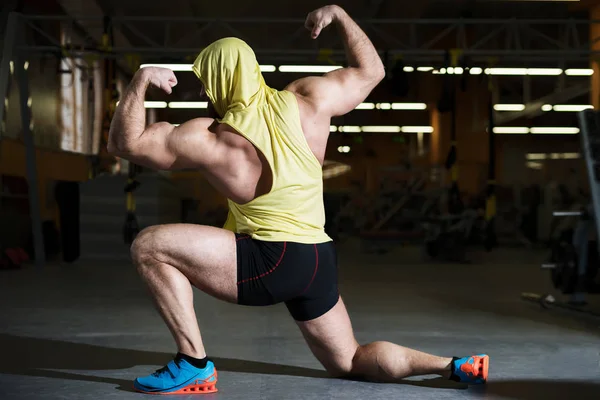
(42, 357)
(541, 390)
(39, 357)
(35, 357)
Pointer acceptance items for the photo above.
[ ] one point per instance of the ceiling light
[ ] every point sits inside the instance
(544, 71)
(475, 71)
(383, 106)
(188, 104)
(458, 70)
(349, 128)
(511, 129)
(579, 72)
(381, 129)
(333, 128)
(365, 106)
(424, 69)
(506, 71)
(572, 107)
(408, 69)
(555, 130)
(155, 104)
(267, 68)
(308, 68)
(417, 129)
(26, 65)
(534, 165)
(547, 107)
(509, 107)
(409, 106)
(535, 156)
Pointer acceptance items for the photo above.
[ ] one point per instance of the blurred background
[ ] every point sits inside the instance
(476, 119)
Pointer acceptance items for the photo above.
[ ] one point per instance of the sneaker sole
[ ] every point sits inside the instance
(204, 388)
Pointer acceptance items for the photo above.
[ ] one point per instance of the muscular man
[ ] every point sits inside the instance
(265, 154)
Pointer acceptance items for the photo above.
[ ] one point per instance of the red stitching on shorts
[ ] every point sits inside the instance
(314, 273)
(242, 238)
(269, 271)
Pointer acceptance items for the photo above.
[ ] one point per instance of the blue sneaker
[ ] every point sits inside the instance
(179, 377)
(471, 370)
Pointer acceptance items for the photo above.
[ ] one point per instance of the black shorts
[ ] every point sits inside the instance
(304, 276)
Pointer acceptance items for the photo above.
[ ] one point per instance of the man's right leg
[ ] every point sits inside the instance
(331, 339)
(170, 259)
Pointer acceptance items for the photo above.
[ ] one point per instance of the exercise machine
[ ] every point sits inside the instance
(574, 259)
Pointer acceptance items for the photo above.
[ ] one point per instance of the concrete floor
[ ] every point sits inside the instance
(86, 331)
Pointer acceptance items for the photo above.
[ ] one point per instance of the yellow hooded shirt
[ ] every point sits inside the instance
(270, 119)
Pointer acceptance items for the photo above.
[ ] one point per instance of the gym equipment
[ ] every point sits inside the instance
(548, 301)
(447, 237)
(574, 261)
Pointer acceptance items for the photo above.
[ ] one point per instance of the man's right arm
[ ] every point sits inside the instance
(340, 91)
(160, 145)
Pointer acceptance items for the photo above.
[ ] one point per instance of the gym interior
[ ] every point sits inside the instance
(463, 196)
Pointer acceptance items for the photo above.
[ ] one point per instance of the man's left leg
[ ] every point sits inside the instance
(170, 259)
(331, 339)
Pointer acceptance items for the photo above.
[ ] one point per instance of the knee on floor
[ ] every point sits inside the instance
(341, 366)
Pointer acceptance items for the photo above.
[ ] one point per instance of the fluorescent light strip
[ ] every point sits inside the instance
(534, 165)
(552, 156)
(155, 104)
(267, 68)
(475, 71)
(188, 104)
(509, 107)
(365, 106)
(544, 71)
(554, 130)
(572, 107)
(409, 106)
(579, 72)
(524, 71)
(417, 129)
(513, 130)
(383, 106)
(308, 68)
(506, 71)
(455, 70)
(424, 69)
(381, 129)
(333, 128)
(409, 69)
(535, 156)
(547, 107)
(349, 129)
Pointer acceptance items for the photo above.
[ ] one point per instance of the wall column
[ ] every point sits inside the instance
(595, 61)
